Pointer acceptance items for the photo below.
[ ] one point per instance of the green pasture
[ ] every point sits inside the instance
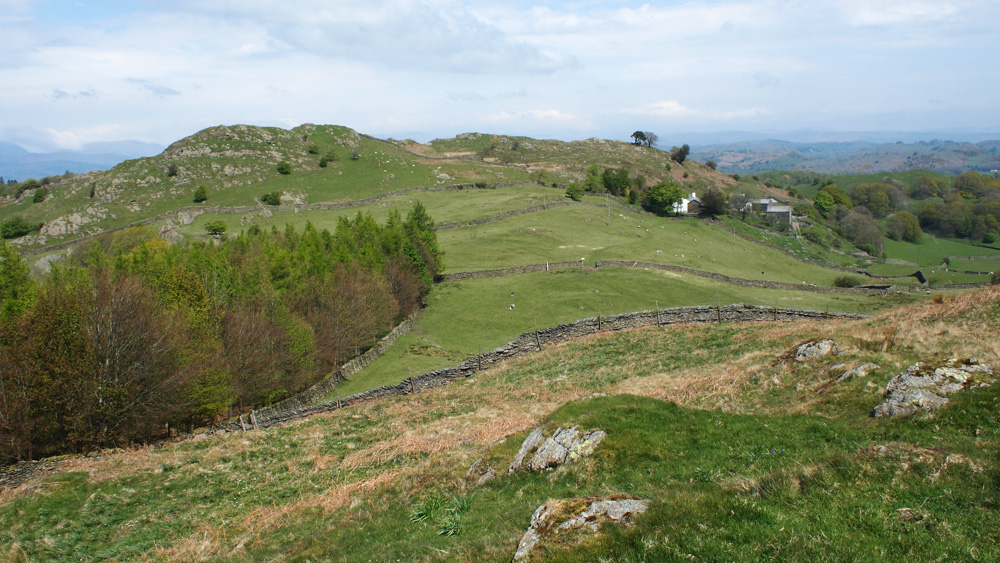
(799, 246)
(444, 206)
(466, 317)
(571, 233)
(931, 251)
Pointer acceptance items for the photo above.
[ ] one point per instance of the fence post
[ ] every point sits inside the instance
(242, 424)
(657, 314)
(538, 341)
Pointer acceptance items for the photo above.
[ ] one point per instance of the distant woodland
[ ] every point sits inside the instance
(134, 336)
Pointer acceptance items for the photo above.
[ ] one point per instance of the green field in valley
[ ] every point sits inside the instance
(466, 317)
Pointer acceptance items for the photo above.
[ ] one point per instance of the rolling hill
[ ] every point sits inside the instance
(856, 157)
(740, 451)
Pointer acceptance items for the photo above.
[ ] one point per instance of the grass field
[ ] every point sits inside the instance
(444, 206)
(740, 456)
(571, 233)
(464, 318)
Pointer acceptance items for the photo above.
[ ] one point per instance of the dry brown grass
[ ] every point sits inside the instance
(954, 327)
(415, 442)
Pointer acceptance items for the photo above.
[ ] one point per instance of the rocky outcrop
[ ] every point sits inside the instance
(563, 517)
(860, 371)
(926, 385)
(71, 223)
(815, 349)
(564, 445)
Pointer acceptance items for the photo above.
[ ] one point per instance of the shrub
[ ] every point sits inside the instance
(172, 170)
(16, 226)
(217, 228)
(313, 149)
(680, 154)
(575, 191)
(284, 167)
(200, 194)
(846, 281)
(711, 164)
(40, 195)
(271, 198)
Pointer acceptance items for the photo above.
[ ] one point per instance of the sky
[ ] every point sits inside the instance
(75, 72)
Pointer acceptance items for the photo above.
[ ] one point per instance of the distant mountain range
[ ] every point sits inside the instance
(18, 164)
(739, 152)
(852, 157)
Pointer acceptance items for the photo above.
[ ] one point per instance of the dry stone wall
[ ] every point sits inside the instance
(499, 273)
(548, 266)
(238, 210)
(321, 389)
(527, 343)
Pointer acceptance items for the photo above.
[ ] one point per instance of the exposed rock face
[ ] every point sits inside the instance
(559, 517)
(539, 453)
(566, 444)
(529, 444)
(45, 263)
(861, 371)
(69, 224)
(815, 349)
(293, 198)
(925, 385)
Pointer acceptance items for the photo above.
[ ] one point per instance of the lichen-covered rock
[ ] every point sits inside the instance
(815, 349)
(559, 517)
(529, 443)
(925, 385)
(564, 445)
(860, 371)
(567, 444)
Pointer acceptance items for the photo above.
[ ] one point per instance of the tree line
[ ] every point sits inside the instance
(133, 337)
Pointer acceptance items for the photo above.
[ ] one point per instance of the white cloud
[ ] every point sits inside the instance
(437, 67)
(76, 139)
(157, 90)
(763, 79)
(896, 12)
(674, 109)
(547, 115)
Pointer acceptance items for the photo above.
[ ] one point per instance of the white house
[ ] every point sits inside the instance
(684, 205)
